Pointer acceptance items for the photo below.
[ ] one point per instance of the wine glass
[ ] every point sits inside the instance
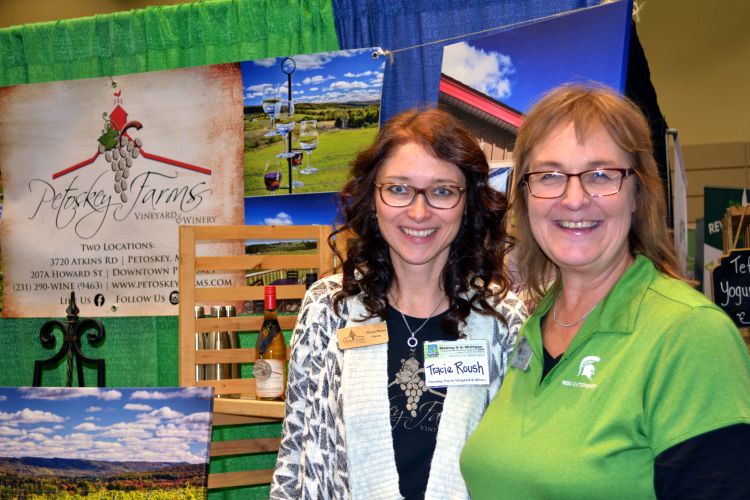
(270, 97)
(296, 162)
(284, 117)
(272, 175)
(308, 140)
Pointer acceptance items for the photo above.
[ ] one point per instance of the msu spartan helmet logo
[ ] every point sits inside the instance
(587, 367)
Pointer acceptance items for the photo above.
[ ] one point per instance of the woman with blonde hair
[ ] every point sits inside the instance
(626, 382)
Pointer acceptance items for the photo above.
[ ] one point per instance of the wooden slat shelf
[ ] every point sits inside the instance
(244, 446)
(219, 232)
(249, 407)
(234, 479)
(229, 386)
(222, 419)
(248, 262)
(240, 323)
(237, 293)
(210, 356)
(191, 237)
(240, 355)
(238, 405)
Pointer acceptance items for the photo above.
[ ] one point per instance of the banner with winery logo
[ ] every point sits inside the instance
(97, 177)
(98, 174)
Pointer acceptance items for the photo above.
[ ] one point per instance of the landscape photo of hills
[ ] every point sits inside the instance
(337, 94)
(91, 443)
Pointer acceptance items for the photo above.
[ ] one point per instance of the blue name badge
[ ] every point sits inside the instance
(463, 362)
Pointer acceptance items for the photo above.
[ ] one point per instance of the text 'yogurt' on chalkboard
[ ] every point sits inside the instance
(731, 283)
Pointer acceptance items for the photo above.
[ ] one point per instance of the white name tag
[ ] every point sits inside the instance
(463, 362)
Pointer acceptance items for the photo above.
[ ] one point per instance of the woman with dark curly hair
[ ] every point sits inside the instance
(427, 267)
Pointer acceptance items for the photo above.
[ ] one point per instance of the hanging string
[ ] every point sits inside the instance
(110, 23)
(369, 24)
(390, 52)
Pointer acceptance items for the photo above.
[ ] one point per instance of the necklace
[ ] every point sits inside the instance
(412, 340)
(568, 325)
(409, 377)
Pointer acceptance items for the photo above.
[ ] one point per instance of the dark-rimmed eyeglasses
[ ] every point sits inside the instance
(596, 182)
(441, 196)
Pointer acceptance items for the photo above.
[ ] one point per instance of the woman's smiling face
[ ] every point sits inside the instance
(577, 232)
(418, 234)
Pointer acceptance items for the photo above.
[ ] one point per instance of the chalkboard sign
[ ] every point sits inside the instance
(731, 280)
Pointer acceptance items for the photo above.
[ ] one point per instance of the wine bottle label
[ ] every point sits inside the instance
(269, 378)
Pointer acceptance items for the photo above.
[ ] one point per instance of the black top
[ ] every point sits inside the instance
(708, 466)
(415, 408)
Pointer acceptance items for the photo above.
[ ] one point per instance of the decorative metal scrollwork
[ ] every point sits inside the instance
(71, 347)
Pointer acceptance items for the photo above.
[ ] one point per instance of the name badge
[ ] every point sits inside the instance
(463, 362)
(521, 355)
(363, 335)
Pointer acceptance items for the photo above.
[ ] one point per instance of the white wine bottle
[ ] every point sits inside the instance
(270, 350)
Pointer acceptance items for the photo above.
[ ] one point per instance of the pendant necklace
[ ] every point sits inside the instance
(568, 325)
(408, 377)
(412, 340)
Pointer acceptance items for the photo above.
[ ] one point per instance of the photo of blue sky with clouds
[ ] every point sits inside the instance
(515, 67)
(149, 425)
(343, 76)
(299, 209)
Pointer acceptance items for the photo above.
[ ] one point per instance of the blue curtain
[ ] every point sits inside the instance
(412, 79)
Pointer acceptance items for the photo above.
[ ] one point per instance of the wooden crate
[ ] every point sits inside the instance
(245, 409)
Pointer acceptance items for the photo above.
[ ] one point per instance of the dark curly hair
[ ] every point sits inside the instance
(477, 253)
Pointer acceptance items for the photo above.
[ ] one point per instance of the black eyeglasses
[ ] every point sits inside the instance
(596, 182)
(441, 196)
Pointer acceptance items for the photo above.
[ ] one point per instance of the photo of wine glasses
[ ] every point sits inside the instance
(308, 140)
(322, 130)
(270, 97)
(296, 161)
(272, 174)
(284, 118)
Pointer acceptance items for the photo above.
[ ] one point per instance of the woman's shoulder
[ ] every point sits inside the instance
(680, 293)
(318, 317)
(319, 300)
(508, 303)
(325, 288)
(684, 314)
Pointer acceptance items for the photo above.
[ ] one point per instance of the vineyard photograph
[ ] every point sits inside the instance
(342, 133)
(305, 119)
(94, 443)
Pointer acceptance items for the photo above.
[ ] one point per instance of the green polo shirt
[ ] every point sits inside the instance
(653, 365)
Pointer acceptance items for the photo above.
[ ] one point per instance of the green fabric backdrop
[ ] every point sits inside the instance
(142, 352)
(157, 38)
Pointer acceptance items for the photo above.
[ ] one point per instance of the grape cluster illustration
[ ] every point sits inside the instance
(121, 159)
(411, 383)
(119, 151)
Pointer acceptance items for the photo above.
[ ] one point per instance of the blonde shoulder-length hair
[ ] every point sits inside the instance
(591, 107)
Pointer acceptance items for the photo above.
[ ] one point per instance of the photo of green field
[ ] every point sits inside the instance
(53, 479)
(330, 100)
(337, 147)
